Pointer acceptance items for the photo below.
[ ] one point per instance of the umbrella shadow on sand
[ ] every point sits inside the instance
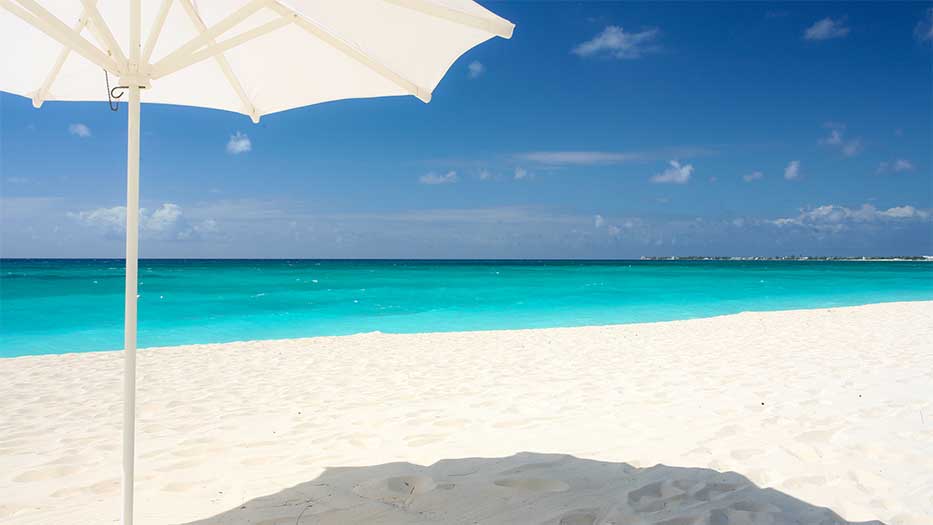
(527, 488)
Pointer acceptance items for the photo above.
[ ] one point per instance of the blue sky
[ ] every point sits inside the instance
(603, 129)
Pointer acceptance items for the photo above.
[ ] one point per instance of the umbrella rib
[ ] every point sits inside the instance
(34, 15)
(199, 41)
(155, 31)
(165, 68)
(222, 63)
(39, 97)
(497, 25)
(105, 36)
(353, 52)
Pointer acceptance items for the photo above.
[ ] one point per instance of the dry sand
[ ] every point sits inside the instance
(760, 417)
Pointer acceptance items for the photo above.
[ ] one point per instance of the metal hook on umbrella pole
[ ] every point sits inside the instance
(112, 94)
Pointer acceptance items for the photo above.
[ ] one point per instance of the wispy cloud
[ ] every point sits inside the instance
(492, 215)
(475, 69)
(614, 42)
(826, 29)
(522, 174)
(836, 138)
(239, 143)
(675, 174)
(485, 174)
(434, 178)
(79, 130)
(792, 171)
(604, 158)
(895, 166)
(924, 28)
(753, 176)
(578, 158)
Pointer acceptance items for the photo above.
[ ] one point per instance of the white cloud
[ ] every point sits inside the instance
(675, 174)
(896, 166)
(599, 221)
(485, 174)
(904, 212)
(579, 158)
(17, 180)
(164, 218)
(433, 178)
(924, 29)
(79, 130)
(753, 176)
(826, 29)
(834, 218)
(614, 42)
(166, 222)
(792, 171)
(522, 174)
(475, 69)
(109, 219)
(836, 138)
(239, 143)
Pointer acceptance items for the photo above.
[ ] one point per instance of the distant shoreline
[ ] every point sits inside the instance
(911, 258)
(897, 258)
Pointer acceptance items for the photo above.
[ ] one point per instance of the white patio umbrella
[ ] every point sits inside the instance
(249, 56)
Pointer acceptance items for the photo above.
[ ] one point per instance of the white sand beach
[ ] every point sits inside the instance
(756, 417)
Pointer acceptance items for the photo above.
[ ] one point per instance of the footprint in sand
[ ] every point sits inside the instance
(411, 485)
(674, 494)
(424, 439)
(101, 488)
(815, 436)
(58, 471)
(396, 490)
(685, 520)
(534, 484)
(745, 453)
(659, 495)
(713, 491)
(745, 512)
(578, 517)
(803, 481)
(179, 465)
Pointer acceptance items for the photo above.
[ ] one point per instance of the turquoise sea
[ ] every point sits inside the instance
(59, 306)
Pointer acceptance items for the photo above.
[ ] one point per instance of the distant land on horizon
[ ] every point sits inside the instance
(881, 258)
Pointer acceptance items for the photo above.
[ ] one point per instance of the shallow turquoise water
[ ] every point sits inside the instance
(57, 306)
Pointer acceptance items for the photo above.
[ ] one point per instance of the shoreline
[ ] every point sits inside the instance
(826, 408)
(492, 331)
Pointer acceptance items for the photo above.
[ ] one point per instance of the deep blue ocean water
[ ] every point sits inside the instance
(59, 306)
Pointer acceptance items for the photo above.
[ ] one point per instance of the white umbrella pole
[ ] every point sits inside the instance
(132, 263)
(129, 337)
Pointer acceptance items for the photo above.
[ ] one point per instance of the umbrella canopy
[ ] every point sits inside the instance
(249, 56)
